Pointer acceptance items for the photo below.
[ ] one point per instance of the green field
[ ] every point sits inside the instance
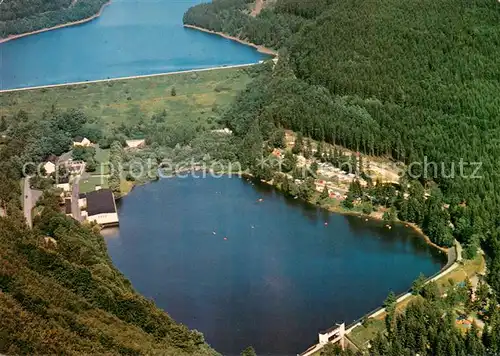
(100, 176)
(102, 160)
(198, 95)
(89, 184)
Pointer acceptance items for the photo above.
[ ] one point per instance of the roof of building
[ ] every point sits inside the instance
(100, 202)
(67, 206)
(81, 140)
(82, 196)
(135, 143)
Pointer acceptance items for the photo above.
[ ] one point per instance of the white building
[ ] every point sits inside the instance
(82, 201)
(136, 143)
(224, 131)
(82, 141)
(49, 167)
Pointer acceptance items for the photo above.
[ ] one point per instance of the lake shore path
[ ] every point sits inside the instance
(130, 77)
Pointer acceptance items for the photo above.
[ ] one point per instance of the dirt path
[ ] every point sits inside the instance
(259, 4)
(27, 202)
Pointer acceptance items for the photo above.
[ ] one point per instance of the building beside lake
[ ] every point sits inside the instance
(100, 207)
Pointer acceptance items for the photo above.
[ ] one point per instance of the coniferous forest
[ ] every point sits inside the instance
(411, 81)
(59, 291)
(414, 81)
(22, 16)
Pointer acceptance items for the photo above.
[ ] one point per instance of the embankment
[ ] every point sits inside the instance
(127, 78)
(259, 48)
(454, 257)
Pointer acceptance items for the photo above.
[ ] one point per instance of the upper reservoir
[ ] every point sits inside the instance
(131, 37)
(269, 273)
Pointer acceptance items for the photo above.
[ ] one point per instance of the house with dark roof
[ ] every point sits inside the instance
(101, 207)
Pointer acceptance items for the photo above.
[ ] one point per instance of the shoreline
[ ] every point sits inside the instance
(427, 239)
(330, 209)
(451, 264)
(259, 48)
(142, 76)
(407, 224)
(361, 215)
(68, 24)
(379, 219)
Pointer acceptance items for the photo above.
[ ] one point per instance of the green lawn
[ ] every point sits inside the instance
(88, 185)
(363, 334)
(469, 268)
(102, 159)
(111, 103)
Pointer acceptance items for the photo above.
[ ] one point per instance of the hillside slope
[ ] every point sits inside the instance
(63, 296)
(23, 16)
(428, 75)
(413, 81)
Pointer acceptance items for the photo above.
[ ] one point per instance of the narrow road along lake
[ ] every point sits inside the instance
(132, 37)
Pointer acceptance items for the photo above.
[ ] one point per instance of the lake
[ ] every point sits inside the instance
(132, 37)
(269, 274)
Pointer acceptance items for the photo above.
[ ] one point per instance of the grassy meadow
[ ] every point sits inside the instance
(197, 95)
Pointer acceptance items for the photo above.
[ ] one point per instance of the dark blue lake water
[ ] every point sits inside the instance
(279, 277)
(132, 37)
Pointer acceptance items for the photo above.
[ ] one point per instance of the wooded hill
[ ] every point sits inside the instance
(415, 81)
(65, 296)
(59, 291)
(22, 16)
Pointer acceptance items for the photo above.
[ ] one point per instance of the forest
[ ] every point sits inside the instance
(270, 28)
(411, 81)
(415, 82)
(427, 326)
(59, 291)
(22, 16)
(392, 79)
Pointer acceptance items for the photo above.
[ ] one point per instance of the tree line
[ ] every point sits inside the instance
(414, 82)
(59, 291)
(396, 80)
(22, 16)
(269, 28)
